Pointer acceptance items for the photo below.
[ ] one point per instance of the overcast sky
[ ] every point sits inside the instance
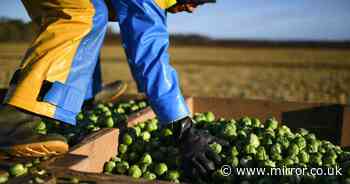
(253, 19)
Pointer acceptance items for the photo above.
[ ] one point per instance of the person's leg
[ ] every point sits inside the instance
(146, 41)
(95, 85)
(55, 74)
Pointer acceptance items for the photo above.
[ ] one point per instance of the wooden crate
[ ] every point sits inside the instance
(328, 121)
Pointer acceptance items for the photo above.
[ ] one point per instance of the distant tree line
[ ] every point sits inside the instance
(16, 30)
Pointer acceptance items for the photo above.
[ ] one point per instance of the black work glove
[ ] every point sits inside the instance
(198, 158)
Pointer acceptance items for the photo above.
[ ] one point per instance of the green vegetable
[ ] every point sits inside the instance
(276, 149)
(215, 147)
(166, 132)
(146, 136)
(229, 130)
(271, 123)
(18, 170)
(122, 167)
(234, 152)
(109, 166)
(316, 159)
(135, 171)
(256, 122)
(304, 157)
(210, 117)
(151, 126)
(293, 150)
(261, 153)
(172, 175)
(123, 148)
(127, 139)
(146, 159)
(149, 176)
(250, 149)
(4, 177)
(160, 169)
(254, 140)
(109, 122)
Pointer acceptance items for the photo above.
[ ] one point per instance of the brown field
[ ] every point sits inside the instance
(289, 74)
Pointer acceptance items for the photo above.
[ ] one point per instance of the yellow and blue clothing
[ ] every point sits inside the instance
(61, 68)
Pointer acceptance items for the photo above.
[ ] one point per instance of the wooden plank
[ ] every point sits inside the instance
(99, 147)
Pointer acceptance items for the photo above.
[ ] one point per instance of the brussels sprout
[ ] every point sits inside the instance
(127, 139)
(146, 136)
(316, 159)
(283, 141)
(166, 132)
(310, 137)
(216, 148)
(313, 146)
(256, 122)
(233, 151)
(146, 159)
(303, 131)
(142, 104)
(198, 118)
(142, 125)
(304, 157)
(261, 153)
(245, 122)
(285, 131)
(122, 167)
(271, 123)
(254, 140)
(276, 149)
(210, 117)
(18, 170)
(80, 117)
(119, 110)
(149, 176)
(301, 142)
(242, 134)
(229, 130)
(40, 127)
(109, 122)
(74, 180)
(135, 171)
(123, 148)
(276, 156)
(160, 169)
(151, 126)
(93, 118)
(250, 149)
(287, 162)
(329, 161)
(4, 177)
(293, 150)
(109, 166)
(233, 161)
(134, 108)
(172, 175)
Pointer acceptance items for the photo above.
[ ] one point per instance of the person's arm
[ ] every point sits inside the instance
(146, 40)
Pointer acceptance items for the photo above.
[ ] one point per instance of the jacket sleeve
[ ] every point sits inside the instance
(146, 41)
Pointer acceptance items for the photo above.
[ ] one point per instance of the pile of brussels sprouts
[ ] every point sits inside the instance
(146, 151)
(23, 168)
(100, 116)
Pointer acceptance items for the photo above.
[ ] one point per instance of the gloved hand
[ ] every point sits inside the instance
(187, 5)
(198, 158)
